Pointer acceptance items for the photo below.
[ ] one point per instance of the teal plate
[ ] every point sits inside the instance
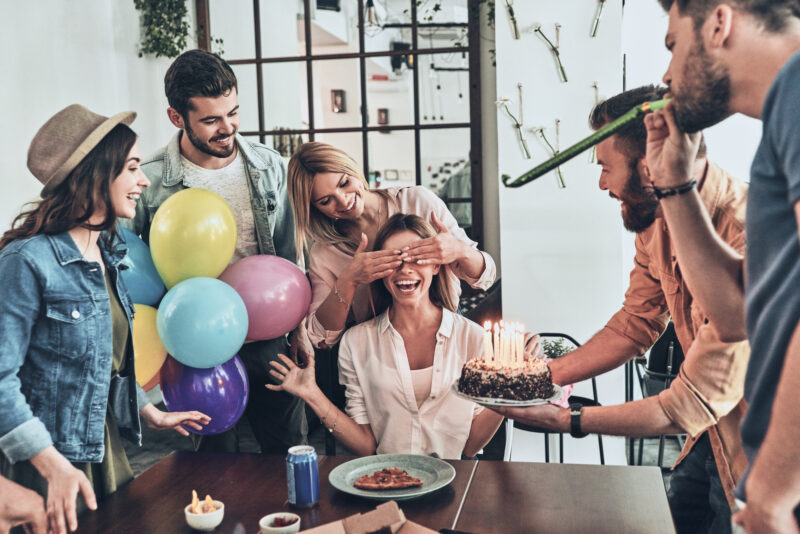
(434, 473)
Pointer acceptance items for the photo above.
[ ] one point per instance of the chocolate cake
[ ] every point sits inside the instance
(532, 380)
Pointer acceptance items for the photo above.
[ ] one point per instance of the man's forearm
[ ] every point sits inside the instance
(712, 269)
(605, 351)
(641, 418)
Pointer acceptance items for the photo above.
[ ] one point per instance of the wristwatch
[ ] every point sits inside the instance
(575, 420)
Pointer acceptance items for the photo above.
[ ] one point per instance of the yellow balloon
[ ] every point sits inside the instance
(193, 233)
(149, 353)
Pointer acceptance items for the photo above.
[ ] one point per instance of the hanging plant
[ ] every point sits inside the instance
(164, 27)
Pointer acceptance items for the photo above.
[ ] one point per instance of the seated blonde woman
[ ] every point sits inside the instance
(335, 209)
(398, 368)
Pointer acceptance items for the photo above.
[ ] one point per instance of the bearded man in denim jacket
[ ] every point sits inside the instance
(208, 153)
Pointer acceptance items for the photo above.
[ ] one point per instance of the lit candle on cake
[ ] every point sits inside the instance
(487, 341)
(496, 358)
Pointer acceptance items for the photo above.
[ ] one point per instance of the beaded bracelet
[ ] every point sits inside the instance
(670, 191)
(324, 420)
(339, 296)
(333, 426)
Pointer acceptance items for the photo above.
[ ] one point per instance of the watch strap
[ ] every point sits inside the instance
(575, 410)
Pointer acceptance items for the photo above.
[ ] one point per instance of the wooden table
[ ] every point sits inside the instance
(251, 486)
(556, 498)
(485, 497)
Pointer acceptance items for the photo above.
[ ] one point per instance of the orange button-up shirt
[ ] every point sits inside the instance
(707, 393)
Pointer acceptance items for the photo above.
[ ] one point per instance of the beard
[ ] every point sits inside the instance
(704, 98)
(641, 204)
(205, 147)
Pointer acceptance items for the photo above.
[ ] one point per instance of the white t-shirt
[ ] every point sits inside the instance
(379, 388)
(229, 182)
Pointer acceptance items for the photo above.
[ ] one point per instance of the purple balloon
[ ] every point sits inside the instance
(219, 392)
(275, 292)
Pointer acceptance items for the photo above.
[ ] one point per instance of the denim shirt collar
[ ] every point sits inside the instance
(173, 173)
(67, 252)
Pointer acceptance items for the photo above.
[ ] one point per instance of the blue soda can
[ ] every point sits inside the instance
(302, 476)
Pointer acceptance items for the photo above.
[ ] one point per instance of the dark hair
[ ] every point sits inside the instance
(84, 190)
(632, 139)
(773, 14)
(439, 291)
(197, 73)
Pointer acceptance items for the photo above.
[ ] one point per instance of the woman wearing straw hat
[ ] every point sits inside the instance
(67, 385)
(335, 209)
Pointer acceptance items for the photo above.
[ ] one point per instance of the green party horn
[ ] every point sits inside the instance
(606, 131)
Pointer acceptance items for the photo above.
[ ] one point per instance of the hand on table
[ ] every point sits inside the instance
(159, 420)
(442, 249)
(21, 507)
(299, 381)
(670, 152)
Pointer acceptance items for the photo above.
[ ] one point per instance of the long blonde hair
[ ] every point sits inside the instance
(439, 292)
(310, 224)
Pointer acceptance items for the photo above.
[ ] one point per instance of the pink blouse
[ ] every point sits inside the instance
(327, 262)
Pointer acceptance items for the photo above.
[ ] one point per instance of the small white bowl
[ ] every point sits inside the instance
(205, 522)
(265, 522)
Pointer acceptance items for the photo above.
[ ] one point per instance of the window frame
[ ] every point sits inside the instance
(475, 157)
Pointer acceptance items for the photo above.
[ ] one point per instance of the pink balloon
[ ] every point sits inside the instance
(275, 292)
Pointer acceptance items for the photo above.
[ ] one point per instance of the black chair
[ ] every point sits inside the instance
(511, 425)
(655, 375)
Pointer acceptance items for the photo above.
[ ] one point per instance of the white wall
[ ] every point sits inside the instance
(561, 248)
(59, 53)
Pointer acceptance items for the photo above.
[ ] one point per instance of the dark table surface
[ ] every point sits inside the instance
(484, 497)
(565, 498)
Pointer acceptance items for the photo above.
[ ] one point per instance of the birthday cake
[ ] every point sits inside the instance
(526, 380)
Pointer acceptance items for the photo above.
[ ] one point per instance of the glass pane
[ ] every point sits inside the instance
(444, 156)
(389, 26)
(285, 95)
(334, 27)
(349, 142)
(337, 93)
(232, 22)
(444, 87)
(390, 98)
(453, 14)
(391, 158)
(285, 144)
(282, 28)
(248, 97)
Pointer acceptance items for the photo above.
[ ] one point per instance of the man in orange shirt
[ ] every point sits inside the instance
(704, 400)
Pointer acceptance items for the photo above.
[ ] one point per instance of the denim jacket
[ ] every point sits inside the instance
(56, 351)
(269, 194)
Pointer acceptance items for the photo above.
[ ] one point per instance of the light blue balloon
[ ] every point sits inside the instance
(202, 322)
(141, 277)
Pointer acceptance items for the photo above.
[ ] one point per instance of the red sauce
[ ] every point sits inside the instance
(283, 521)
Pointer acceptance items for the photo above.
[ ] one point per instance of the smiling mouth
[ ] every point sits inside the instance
(134, 197)
(350, 207)
(407, 286)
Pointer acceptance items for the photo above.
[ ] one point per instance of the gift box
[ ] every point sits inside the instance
(387, 517)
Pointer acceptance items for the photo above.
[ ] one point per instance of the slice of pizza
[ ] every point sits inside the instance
(386, 479)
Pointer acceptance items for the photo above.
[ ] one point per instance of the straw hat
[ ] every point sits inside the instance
(64, 140)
